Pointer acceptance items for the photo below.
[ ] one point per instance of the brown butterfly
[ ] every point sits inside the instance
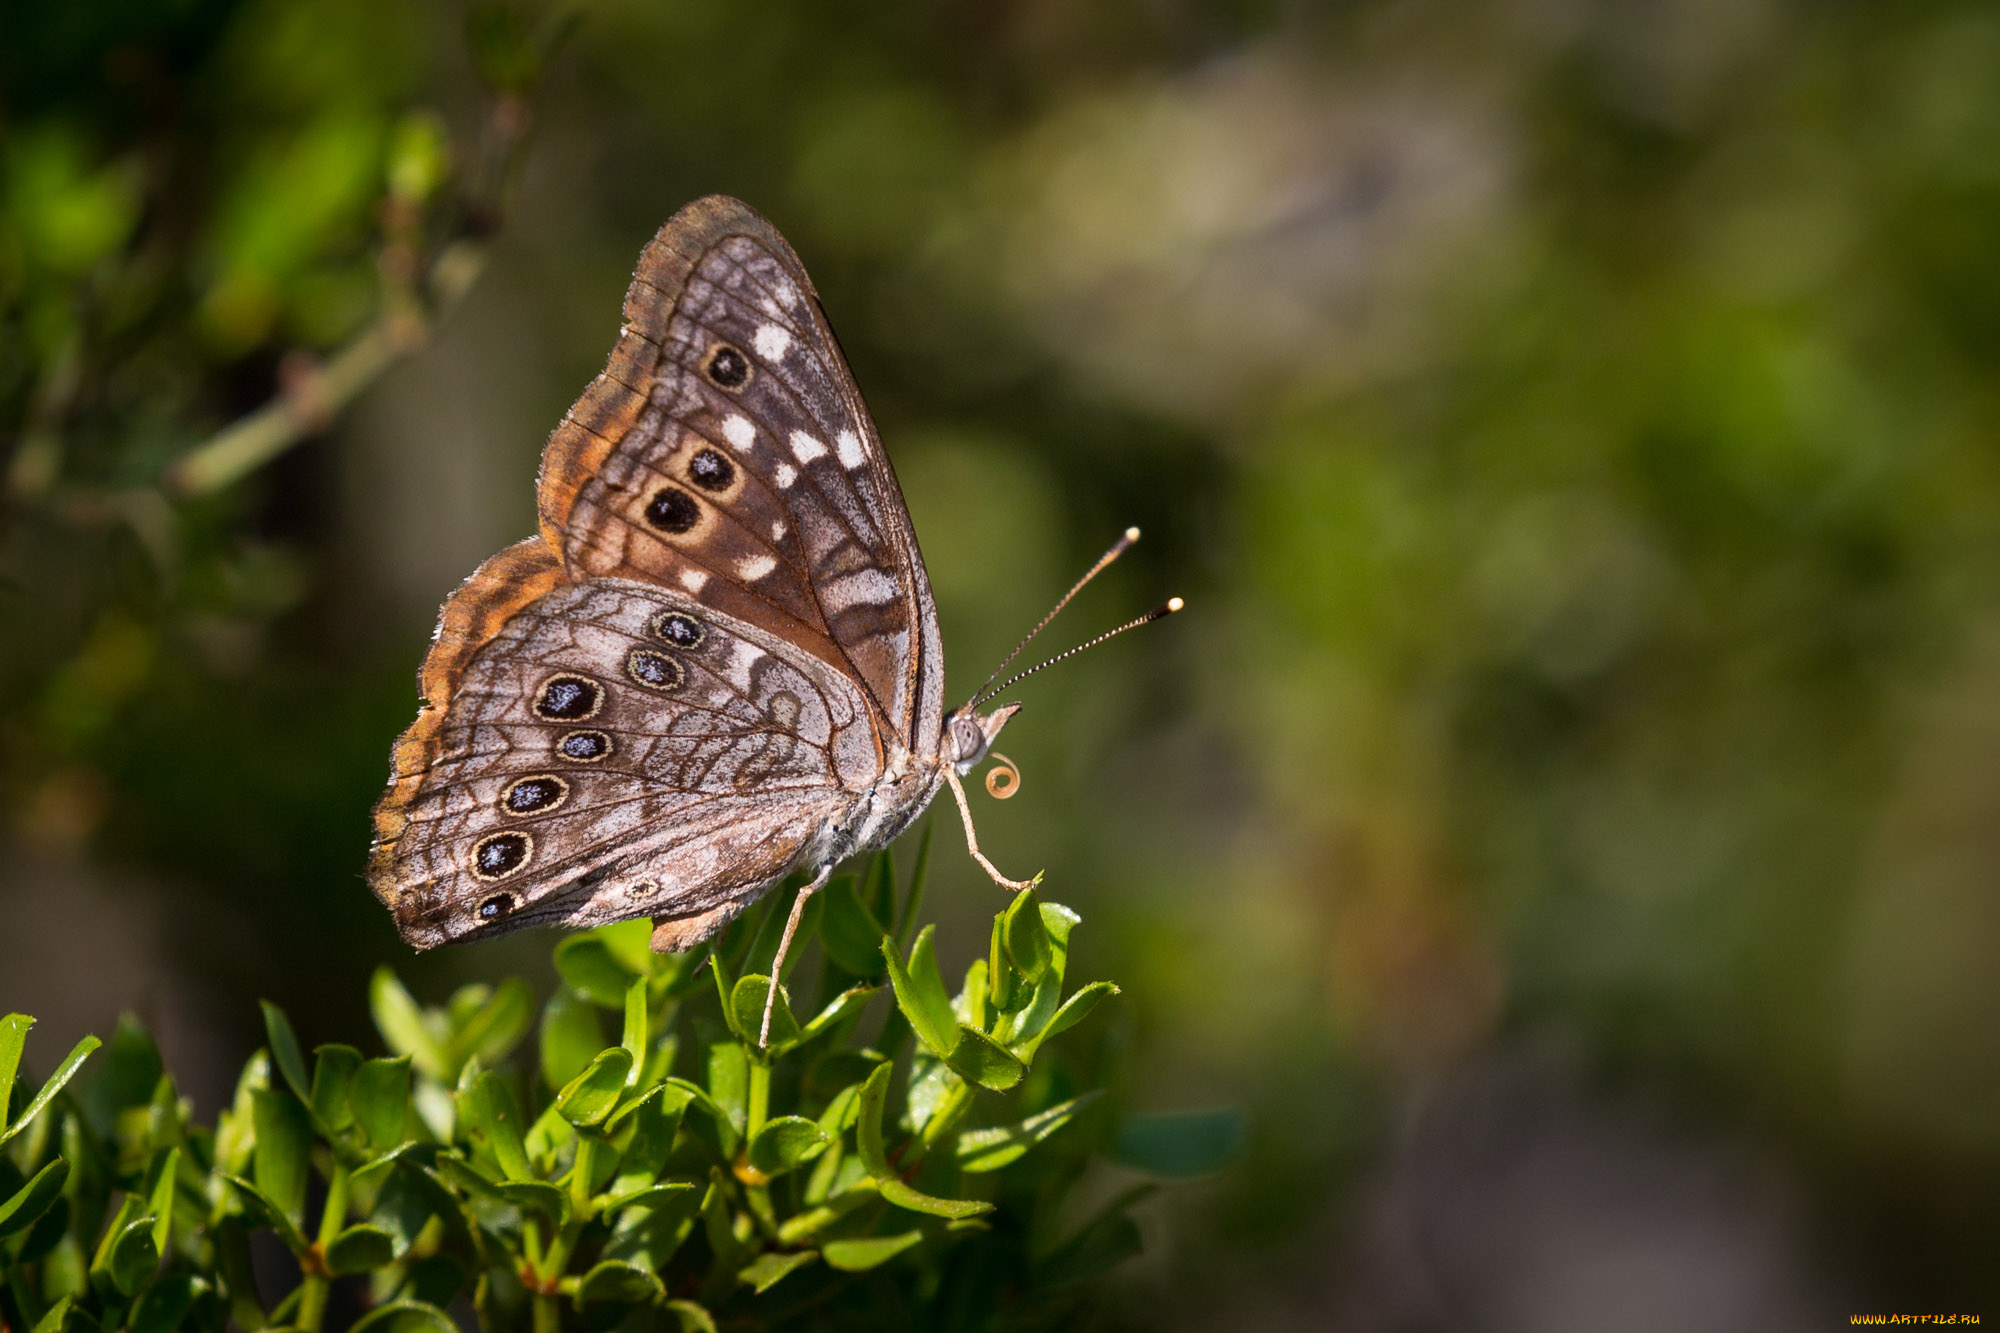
(719, 661)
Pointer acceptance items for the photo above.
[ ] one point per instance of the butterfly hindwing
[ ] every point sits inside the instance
(615, 749)
(726, 452)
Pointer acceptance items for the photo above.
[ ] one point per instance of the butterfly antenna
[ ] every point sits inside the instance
(1172, 605)
(1118, 548)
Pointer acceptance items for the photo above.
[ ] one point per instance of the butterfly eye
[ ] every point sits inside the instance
(496, 907)
(584, 747)
(568, 698)
(681, 631)
(501, 854)
(656, 671)
(727, 368)
(673, 510)
(711, 471)
(535, 795)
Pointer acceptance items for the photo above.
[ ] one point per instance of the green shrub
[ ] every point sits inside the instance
(896, 1165)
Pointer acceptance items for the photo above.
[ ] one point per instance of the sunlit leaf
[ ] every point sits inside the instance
(858, 1256)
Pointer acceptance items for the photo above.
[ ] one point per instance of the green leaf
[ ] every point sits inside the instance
(592, 1095)
(652, 1196)
(920, 993)
(571, 1037)
(265, 1212)
(402, 1025)
(858, 1256)
(133, 1256)
(614, 1282)
(868, 1132)
(379, 1095)
(698, 1096)
(635, 1036)
(64, 1073)
(771, 1267)
(1027, 939)
(34, 1198)
(493, 1119)
(1180, 1144)
(652, 1122)
(161, 1201)
(1074, 1010)
(691, 1317)
(285, 1053)
(729, 1081)
(843, 1004)
(785, 1143)
(592, 970)
(980, 1059)
(850, 933)
(165, 1303)
(497, 1026)
(334, 1068)
(360, 1249)
(284, 1147)
(52, 1321)
(405, 1316)
(404, 1205)
(990, 1149)
(13, 1036)
(746, 1013)
(543, 1198)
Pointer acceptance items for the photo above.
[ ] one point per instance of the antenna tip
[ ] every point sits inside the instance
(1131, 534)
(1174, 604)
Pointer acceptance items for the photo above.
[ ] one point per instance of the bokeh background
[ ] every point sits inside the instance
(1567, 817)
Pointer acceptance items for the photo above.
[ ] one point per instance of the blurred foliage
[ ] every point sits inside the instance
(598, 1186)
(1572, 425)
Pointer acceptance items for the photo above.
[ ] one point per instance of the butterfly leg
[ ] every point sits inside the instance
(972, 839)
(785, 947)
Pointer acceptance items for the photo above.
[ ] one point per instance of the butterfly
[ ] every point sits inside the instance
(717, 664)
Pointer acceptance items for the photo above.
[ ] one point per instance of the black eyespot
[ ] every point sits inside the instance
(679, 630)
(656, 671)
(711, 471)
(584, 747)
(501, 854)
(496, 907)
(673, 510)
(727, 367)
(568, 698)
(533, 795)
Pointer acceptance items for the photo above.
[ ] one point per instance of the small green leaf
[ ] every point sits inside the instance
(571, 1037)
(698, 1096)
(284, 1147)
(360, 1249)
(161, 1200)
(34, 1198)
(868, 1133)
(543, 1198)
(404, 1316)
(920, 993)
(652, 1196)
(785, 1143)
(133, 1256)
(691, 1317)
(746, 1013)
(614, 1282)
(593, 971)
(990, 1149)
(843, 1004)
(729, 1081)
(266, 1213)
(379, 1096)
(497, 1026)
(165, 1303)
(402, 1025)
(851, 934)
(592, 1095)
(771, 1267)
(285, 1053)
(980, 1059)
(1180, 1144)
(334, 1068)
(1027, 939)
(52, 1321)
(1074, 1010)
(652, 1121)
(493, 1118)
(13, 1036)
(858, 1256)
(637, 1024)
(53, 1085)
(903, 1196)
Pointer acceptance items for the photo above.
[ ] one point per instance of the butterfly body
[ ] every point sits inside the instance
(718, 663)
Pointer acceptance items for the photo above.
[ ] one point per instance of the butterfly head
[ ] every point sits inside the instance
(968, 735)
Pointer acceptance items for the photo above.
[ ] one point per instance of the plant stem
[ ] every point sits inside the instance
(945, 1119)
(760, 1096)
(313, 1292)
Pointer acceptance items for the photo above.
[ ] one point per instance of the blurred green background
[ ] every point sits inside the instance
(1567, 817)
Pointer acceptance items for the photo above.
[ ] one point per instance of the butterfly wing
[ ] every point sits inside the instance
(725, 452)
(610, 750)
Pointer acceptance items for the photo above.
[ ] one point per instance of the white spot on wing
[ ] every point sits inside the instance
(739, 432)
(742, 657)
(772, 342)
(805, 448)
(778, 530)
(694, 580)
(755, 566)
(850, 450)
(864, 585)
(785, 474)
(787, 294)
